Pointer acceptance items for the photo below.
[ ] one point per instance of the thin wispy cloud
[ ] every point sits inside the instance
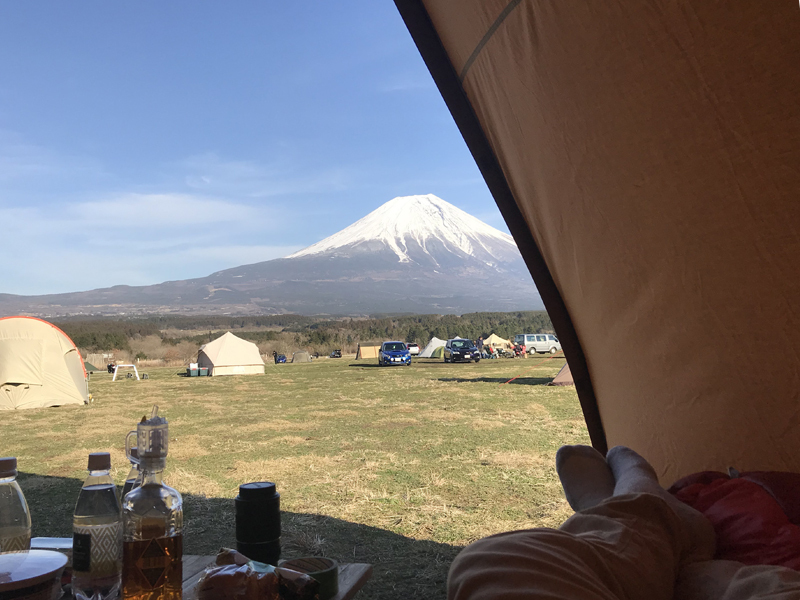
(134, 239)
(248, 178)
(25, 161)
(241, 136)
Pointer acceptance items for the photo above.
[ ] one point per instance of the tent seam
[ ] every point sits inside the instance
(487, 36)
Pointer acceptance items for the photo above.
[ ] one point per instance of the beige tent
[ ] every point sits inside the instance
(301, 356)
(231, 355)
(564, 377)
(645, 158)
(39, 366)
(368, 351)
(495, 341)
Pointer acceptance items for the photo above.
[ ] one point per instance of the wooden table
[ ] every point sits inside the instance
(352, 576)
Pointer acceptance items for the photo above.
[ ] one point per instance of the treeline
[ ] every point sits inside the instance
(421, 328)
(103, 335)
(313, 333)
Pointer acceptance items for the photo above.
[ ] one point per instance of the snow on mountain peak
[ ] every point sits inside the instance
(419, 219)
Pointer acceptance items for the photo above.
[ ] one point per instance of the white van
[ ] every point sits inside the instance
(538, 342)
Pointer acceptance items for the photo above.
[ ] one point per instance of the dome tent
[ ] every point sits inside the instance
(428, 351)
(39, 366)
(301, 356)
(644, 160)
(231, 355)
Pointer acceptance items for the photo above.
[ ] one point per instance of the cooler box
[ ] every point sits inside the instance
(191, 372)
(203, 371)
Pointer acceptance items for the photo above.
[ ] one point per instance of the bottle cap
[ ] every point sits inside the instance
(99, 461)
(152, 436)
(257, 491)
(8, 467)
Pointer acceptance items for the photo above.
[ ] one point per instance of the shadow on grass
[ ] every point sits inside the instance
(402, 567)
(517, 381)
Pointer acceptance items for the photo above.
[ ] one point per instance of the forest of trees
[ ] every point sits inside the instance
(154, 336)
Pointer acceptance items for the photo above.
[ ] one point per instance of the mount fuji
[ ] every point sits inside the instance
(414, 254)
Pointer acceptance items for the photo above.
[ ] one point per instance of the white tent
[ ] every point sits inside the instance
(39, 366)
(435, 343)
(231, 355)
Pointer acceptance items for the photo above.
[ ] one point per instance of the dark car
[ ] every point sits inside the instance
(394, 353)
(457, 350)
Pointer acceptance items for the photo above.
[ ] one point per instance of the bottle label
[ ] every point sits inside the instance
(15, 543)
(97, 548)
(81, 551)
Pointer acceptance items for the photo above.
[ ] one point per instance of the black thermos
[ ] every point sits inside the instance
(258, 522)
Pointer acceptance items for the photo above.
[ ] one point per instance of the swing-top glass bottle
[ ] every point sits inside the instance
(153, 521)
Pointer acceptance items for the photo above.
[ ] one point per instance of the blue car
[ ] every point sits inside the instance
(394, 353)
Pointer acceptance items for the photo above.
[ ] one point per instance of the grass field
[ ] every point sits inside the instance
(399, 467)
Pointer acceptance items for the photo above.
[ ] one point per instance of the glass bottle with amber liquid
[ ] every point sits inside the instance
(152, 515)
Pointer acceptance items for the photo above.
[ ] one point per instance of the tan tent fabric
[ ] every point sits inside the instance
(301, 357)
(231, 355)
(564, 377)
(495, 341)
(368, 351)
(645, 157)
(39, 366)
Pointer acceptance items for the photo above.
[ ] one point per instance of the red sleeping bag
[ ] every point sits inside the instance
(756, 516)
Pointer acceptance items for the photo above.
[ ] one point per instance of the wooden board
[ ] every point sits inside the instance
(352, 576)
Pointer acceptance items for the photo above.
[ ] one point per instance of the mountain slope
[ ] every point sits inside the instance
(407, 225)
(413, 254)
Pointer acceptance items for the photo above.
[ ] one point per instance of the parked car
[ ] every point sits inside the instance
(413, 349)
(458, 349)
(335, 354)
(394, 353)
(538, 342)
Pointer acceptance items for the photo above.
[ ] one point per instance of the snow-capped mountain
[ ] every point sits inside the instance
(414, 254)
(416, 229)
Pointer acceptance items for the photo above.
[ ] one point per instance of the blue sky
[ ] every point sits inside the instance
(144, 142)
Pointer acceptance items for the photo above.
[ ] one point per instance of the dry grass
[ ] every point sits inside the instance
(399, 467)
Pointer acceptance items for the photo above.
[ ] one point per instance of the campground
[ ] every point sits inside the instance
(399, 467)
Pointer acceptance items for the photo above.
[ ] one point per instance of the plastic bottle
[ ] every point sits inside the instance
(15, 518)
(134, 477)
(152, 513)
(97, 534)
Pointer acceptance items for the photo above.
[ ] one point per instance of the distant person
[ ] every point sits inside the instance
(275, 356)
(479, 344)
